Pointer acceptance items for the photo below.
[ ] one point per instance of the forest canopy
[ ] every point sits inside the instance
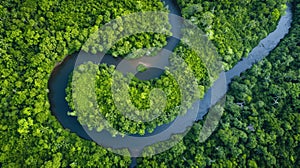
(260, 126)
(139, 95)
(235, 27)
(34, 36)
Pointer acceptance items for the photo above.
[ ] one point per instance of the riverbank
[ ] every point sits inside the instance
(59, 80)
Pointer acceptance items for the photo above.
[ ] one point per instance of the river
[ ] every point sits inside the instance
(59, 79)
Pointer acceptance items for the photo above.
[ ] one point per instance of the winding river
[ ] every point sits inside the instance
(59, 79)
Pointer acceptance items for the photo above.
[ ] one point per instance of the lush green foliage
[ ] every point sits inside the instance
(141, 68)
(261, 123)
(142, 31)
(139, 92)
(34, 36)
(193, 60)
(235, 27)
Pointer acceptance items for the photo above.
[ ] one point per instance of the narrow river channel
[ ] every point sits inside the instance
(59, 79)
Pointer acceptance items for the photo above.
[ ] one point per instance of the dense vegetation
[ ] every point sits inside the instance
(260, 126)
(235, 27)
(112, 38)
(138, 102)
(34, 36)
